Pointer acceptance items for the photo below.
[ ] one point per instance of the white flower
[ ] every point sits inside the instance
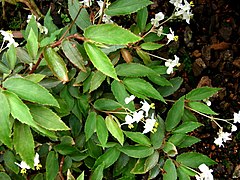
(184, 11)
(149, 125)
(207, 101)
(41, 28)
(158, 17)
(160, 31)
(137, 116)
(222, 137)
(170, 36)
(87, 3)
(171, 64)
(129, 99)
(176, 3)
(107, 19)
(8, 36)
(206, 173)
(146, 107)
(236, 117)
(234, 128)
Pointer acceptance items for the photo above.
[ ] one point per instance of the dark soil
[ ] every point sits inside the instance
(210, 52)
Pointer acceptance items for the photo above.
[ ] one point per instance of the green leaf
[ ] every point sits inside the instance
(188, 141)
(170, 149)
(158, 137)
(201, 107)
(32, 24)
(144, 56)
(181, 174)
(151, 161)
(102, 33)
(32, 44)
(4, 176)
(171, 172)
(139, 167)
(98, 172)
(11, 57)
(109, 157)
(52, 166)
(94, 150)
(104, 104)
(114, 129)
(186, 170)
(90, 125)
(9, 161)
(175, 114)
(102, 131)
(96, 80)
(137, 151)
(134, 70)
(120, 94)
(123, 7)
(46, 118)
(177, 138)
(56, 64)
(48, 23)
(24, 143)
(151, 46)
(73, 54)
(201, 93)
(4, 68)
(83, 20)
(187, 127)
(30, 91)
(81, 176)
(169, 90)
(159, 80)
(188, 116)
(138, 138)
(19, 110)
(23, 56)
(142, 88)
(142, 16)
(193, 159)
(5, 127)
(100, 60)
(35, 77)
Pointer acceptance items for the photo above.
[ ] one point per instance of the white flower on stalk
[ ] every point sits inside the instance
(222, 137)
(41, 28)
(136, 117)
(234, 128)
(146, 107)
(176, 3)
(171, 64)
(171, 36)
(24, 166)
(107, 19)
(184, 10)
(236, 117)
(160, 31)
(87, 3)
(206, 173)
(207, 101)
(150, 125)
(158, 17)
(129, 99)
(7, 36)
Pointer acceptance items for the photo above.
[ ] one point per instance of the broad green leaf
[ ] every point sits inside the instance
(188, 141)
(4, 176)
(100, 60)
(96, 80)
(142, 88)
(138, 138)
(201, 93)
(114, 129)
(123, 7)
(187, 170)
(102, 131)
(4, 68)
(109, 157)
(102, 33)
(94, 150)
(151, 161)
(98, 172)
(175, 114)
(158, 137)
(170, 149)
(48, 23)
(120, 94)
(187, 127)
(171, 172)
(52, 166)
(23, 142)
(9, 161)
(11, 57)
(5, 127)
(83, 19)
(193, 159)
(201, 107)
(142, 16)
(19, 110)
(46, 118)
(182, 175)
(30, 91)
(169, 90)
(56, 64)
(81, 176)
(159, 80)
(73, 54)
(177, 138)
(90, 125)
(66, 149)
(139, 167)
(151, 46)
(121, 164)
(144, 56)
(35, 77)
(23, 56)
(134, 70)
(104, 104)
(32, 24)
(32, 44)
(188, 116)
(137, 151)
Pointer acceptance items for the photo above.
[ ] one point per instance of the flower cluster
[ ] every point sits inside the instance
(7, 36)
(150, 124)
(171, 64)
(206, 173)
(24, 166)
(183, 9)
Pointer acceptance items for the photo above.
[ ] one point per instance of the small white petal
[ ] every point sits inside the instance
(129, 99)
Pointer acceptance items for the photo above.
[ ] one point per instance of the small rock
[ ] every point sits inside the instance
(236, 62)
(196, 54)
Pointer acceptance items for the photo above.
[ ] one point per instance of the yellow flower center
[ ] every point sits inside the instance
(130, 126)
(152, 105)
(23, 171)
(38, 167)
(191, 3)
(175, 38)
